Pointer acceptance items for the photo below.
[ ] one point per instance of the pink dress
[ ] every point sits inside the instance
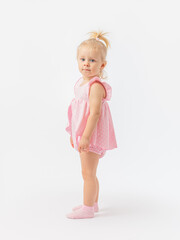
(103, 137)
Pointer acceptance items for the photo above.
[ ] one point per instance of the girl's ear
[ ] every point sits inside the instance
(103, 64)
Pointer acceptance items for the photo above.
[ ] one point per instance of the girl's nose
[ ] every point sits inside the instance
(86, 63)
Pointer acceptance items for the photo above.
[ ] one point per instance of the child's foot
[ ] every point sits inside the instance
(83, 212)
(96, 208)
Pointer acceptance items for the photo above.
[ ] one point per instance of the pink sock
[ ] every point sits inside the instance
(83, 212)
(96, 207)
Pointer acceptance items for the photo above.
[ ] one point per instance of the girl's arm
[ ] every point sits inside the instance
(95, 101)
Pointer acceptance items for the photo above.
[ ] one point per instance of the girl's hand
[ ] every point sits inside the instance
(83, 145)
(71, 141)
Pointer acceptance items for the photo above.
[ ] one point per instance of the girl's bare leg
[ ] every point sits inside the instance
(97, 194)
(89, 163)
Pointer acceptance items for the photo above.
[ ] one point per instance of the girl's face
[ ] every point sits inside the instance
(90, 63)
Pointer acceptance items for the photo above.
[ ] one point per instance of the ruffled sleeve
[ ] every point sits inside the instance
(106, 86)
(108, 91)
(69, 127)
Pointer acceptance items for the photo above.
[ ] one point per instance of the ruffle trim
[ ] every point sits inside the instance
(107, 87)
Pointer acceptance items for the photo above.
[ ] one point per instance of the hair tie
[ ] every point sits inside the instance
(97, 39)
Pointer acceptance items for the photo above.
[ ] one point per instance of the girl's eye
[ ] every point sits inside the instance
(83, 59)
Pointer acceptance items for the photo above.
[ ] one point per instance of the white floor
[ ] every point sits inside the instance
(40, 213)
(138, 199)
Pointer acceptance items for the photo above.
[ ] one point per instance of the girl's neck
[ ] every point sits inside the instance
(88, 79)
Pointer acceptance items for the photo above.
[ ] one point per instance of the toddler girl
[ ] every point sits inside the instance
(89, 119)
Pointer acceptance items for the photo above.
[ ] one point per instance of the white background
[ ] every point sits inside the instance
(40, 173)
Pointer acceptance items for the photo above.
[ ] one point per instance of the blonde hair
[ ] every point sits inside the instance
(95, 42)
